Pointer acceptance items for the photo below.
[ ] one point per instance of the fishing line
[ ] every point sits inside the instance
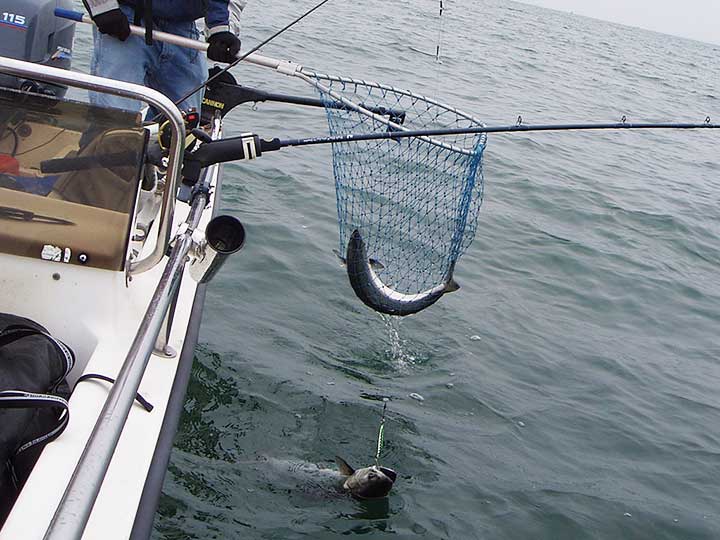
(438, 62)
(244, 56)
(440, 33)
(381, 433)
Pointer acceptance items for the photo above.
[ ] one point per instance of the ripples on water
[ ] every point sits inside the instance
(570, 387)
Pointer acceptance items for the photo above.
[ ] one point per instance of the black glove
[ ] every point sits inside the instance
(114, 23)
(223, 47)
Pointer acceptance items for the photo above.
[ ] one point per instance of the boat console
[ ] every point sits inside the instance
(69, 180)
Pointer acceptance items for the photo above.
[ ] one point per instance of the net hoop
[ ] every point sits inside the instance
(407, 208)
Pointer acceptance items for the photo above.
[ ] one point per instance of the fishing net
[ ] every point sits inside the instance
(414, 201)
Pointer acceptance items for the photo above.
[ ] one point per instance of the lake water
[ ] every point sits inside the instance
(570, 387)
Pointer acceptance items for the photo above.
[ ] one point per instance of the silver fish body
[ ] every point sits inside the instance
(375, 294)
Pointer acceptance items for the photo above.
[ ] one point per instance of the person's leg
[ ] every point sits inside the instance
(180, 69)
(122, 60)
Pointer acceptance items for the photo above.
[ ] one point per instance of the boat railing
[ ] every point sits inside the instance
(163, 104)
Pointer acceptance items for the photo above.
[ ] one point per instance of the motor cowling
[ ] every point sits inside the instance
(30, 31)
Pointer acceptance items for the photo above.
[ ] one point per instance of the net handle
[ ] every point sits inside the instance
(282, 66)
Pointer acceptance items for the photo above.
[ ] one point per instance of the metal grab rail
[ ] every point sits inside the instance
(133, 91)
(73, 512)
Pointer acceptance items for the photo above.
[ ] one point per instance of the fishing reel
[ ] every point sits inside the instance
(192, 121)
(158, 150)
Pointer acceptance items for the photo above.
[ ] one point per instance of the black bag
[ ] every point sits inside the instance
(33, 400)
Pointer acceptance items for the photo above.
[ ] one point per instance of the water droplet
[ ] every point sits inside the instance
(675, 520)
(627, 514)
(475, 338)
(450, 385)
(298, 415)
(521, 423)
(330, 383)
(417, 397)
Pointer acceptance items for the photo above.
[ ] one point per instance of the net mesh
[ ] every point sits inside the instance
(415, 201)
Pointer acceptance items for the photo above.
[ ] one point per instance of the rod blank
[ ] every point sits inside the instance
(517, 128)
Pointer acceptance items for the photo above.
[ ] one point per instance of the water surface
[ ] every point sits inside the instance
(570, 386)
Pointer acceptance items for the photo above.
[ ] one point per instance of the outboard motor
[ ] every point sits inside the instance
(30, 31)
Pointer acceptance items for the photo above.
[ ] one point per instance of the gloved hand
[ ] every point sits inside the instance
(223, 47)
(113, 23)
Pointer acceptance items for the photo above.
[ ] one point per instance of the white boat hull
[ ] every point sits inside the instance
(97, 315)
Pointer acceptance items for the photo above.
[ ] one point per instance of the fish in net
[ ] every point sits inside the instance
(407, 208)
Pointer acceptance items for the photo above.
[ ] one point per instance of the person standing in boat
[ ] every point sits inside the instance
(170, 69)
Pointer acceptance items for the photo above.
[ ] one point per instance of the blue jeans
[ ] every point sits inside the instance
(170, 69)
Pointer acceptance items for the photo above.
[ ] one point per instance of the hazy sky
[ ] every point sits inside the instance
(696, 19)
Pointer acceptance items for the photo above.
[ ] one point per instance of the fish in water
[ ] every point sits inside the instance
(368, 483)
(375, 294)
(318, 481)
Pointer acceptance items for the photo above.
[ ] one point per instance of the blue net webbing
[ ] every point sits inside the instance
(416, 200)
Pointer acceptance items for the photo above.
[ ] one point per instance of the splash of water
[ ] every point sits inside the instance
(398, 353)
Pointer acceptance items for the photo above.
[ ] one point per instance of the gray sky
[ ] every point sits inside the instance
(696, 19)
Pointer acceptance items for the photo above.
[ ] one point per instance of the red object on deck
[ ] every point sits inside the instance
(9, 165)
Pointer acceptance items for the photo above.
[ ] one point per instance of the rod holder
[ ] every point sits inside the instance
(224, 235)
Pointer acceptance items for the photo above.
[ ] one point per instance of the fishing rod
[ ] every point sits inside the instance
(250, 146)
(276, 144)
